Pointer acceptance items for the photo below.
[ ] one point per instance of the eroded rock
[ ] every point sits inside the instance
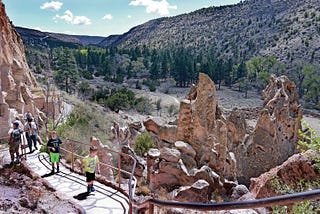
(275, 136)
(298, 167)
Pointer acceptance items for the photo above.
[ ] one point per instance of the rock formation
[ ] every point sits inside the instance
(196, 149)
(299, 167)
(201, 125)
(20, 92)
(275, 136)
(222, 151)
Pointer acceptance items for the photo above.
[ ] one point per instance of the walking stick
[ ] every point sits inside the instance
(24, 139)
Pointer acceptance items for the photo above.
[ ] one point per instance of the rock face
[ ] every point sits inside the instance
(201, 125)
(17, 84)
(166, 133)
(275, 136)
(299, 167)
(198, 150)
(221, 151)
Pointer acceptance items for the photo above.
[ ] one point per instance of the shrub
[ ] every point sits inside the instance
(143, 143)
(309, 139)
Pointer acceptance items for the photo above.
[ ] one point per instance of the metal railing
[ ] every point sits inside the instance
(129, 192)
(150, 203)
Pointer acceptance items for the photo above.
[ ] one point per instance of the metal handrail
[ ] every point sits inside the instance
(132, 179)
(248, 204)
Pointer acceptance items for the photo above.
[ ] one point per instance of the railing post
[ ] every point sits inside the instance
(130, 206)
(151, 208)
(72, 155)
(119, 172)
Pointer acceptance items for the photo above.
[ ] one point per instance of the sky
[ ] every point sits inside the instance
(97, 17)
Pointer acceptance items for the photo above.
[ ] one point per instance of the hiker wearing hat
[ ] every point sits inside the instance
(15, 140)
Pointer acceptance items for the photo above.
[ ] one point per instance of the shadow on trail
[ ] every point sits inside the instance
(82, 196)
(47, 175)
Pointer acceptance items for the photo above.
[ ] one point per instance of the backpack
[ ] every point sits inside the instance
(16, 135)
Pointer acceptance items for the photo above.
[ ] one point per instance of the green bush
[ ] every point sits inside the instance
(308, 139)
(143, 143)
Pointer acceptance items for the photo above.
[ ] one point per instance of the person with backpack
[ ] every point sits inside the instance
(54, 150)
(15, 141)
(31, 130)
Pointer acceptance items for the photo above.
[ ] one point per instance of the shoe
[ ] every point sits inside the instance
(88, 189)
(17, 160)
(36, 148)
(58, 169)
(92, 189)
(52, 172)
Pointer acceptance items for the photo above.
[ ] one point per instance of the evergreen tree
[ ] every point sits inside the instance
(66, 75)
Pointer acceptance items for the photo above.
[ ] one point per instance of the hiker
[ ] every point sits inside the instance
(31, 130)
(54, 150)
(15, 141)
(91, 166)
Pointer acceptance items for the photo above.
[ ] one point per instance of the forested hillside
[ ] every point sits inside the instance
(239, 46)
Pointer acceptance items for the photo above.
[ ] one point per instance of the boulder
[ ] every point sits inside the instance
(199, 192)
(170, 155)
(164, 132)
(299, 167)
(185, 148)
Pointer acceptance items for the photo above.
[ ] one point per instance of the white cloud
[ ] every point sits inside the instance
(81, 20)
(161, 7)
(129, 16)
(107, 16)
(68, 16)
(53, 5)
(75, 20)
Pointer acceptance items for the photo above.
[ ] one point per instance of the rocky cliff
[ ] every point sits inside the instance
(208, 145)
(20, 92)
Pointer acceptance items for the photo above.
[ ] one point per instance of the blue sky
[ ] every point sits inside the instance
(97, 17)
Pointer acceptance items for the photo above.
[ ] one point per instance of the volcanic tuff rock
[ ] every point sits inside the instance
(197, 192)
(227, 150)
(275, 136)
(201, 125)
(299, 167)
(19, 90)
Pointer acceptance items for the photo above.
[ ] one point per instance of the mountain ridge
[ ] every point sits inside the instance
(71, 40)
(287, 29)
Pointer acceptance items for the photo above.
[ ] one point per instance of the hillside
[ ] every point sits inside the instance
(47, 39)
(287, 29)
(229, 42)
